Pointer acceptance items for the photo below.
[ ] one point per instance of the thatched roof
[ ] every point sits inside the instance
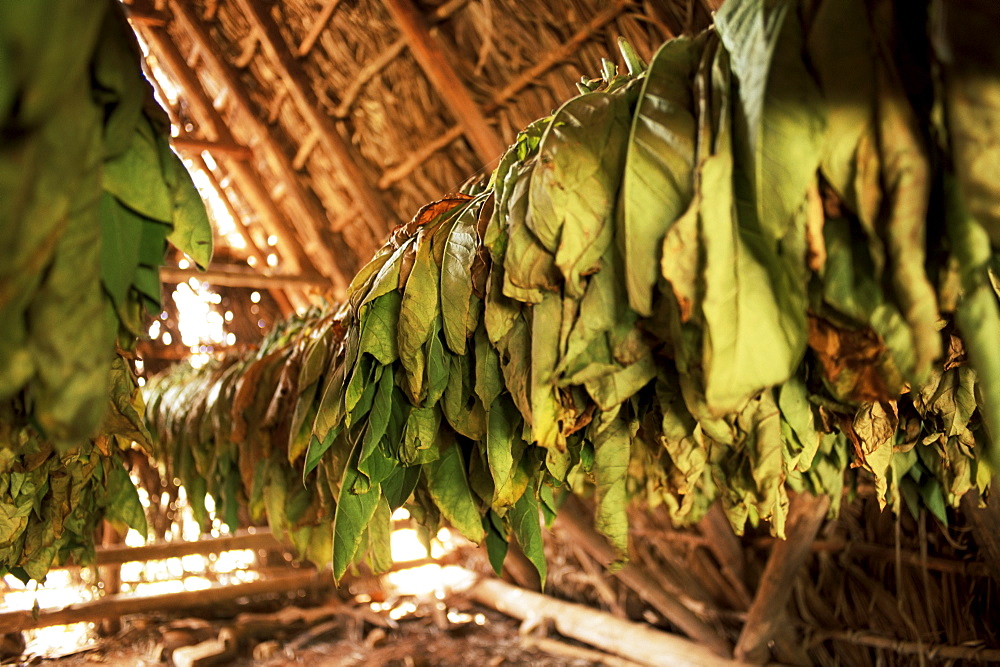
(324, 123)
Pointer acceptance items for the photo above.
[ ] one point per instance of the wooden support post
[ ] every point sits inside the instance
(111, 578)
(213, 124)
(486, 142)
(767, 611)
(239, 278)
(576, 523)
(377, 213)
(312, 216)
(133, 603)
(723, 544)
(634, 641)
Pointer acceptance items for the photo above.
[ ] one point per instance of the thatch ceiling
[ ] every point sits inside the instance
(324, 123)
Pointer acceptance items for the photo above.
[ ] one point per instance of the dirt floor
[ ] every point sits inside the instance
(453, 632)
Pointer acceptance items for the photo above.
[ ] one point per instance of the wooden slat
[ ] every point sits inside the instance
(312, 216)
(319, 25)
(261, 539)
(236, 278)
(378, 215)
(768, 609)
(431, 57)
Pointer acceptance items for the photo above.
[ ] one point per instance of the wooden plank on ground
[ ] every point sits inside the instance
(634, 641)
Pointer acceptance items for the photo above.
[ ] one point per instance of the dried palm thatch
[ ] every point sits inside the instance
(874, 588)
(323, 124)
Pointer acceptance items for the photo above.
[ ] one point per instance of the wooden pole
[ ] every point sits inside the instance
(377, 213)
(575, 522)
(429, 54)
(767, 611)
(133, 603)
(633, 641)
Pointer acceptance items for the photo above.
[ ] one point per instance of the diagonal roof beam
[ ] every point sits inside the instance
(212, 123)
(314, 216)
(378, 215)
(431, 57)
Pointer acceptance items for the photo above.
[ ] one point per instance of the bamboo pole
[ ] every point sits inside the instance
(633, 641)
(134, 603)
(767, 611)
(228, 148)
(574, 520)
(431, 57)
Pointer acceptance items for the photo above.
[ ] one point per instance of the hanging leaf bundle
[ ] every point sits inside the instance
(90, 194)
(765, 259)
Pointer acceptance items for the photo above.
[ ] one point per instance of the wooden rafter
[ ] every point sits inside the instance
(213, 124)
(378, 215)
(252, 249)
(318, 26)
(524, 79)
(312, 216)
(431, 57)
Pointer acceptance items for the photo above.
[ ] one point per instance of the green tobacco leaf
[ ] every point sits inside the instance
(504, 447)
(449, 488)
(136, 178)
(546, 410)
(379, 322)
(658, 183)
(192, 233)
(526, 525)
(754, 333)
(398, 486)
(420, 435)
(529, 268)
(120, 241)
(456, 278)
(123, 506)
(574, 186)
(317, 448)
(417, 314)
(496, 541)
(612, 452)
(354, 513)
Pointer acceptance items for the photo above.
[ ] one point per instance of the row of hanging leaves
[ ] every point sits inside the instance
(90, 195)
(764, 259)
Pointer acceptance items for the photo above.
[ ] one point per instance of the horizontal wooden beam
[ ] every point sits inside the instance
(239, 278)
(114, 606)
(232, 150)
(261, 539)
